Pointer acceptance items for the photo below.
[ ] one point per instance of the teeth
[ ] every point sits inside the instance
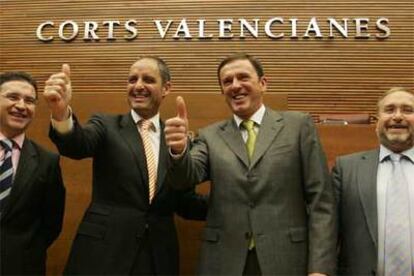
(140, 94)
(237, 97)
(18, 115)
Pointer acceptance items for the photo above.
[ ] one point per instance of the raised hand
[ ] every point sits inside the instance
(176, 129)
(58, 93)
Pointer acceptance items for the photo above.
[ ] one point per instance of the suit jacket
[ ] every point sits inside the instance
(355, 180)
(283, 197)
(119, 215)
(32, 218)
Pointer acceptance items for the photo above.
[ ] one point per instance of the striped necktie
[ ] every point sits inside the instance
(397, 223)
(6, 172)
(146, 126)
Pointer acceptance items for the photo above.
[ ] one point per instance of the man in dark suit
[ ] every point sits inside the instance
(129, 225)
(271, 208)
(364, 185)
(32, 195)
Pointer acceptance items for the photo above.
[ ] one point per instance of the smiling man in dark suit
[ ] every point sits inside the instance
(32, 195)
(129, 226)
(375, 195)
(271, 209)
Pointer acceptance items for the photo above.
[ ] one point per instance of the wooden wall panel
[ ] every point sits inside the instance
(320, 75)
(313, 75)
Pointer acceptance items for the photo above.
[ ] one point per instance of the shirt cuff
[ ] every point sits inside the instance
(63, 127)
(179, 155)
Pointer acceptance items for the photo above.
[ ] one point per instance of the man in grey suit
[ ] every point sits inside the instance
(271, 208)
(364, 184)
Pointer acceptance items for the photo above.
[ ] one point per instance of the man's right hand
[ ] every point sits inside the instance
(58, 93)
(176, 129)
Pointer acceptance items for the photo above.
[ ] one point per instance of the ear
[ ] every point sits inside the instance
(166, 89)
(263, 83)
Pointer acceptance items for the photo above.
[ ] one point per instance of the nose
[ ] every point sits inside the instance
(398, 115)
(139, 85)
(20, 104)
(235, 84)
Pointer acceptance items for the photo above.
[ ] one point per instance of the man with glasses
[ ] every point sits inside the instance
(32, 195)
(375, 195)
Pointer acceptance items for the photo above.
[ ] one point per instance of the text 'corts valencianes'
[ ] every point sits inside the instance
(273, 28)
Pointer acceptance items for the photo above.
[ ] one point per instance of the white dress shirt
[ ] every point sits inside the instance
(257, 118)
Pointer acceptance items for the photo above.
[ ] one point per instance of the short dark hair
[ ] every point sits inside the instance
(242, 56)
(18, 76)
(162, 67)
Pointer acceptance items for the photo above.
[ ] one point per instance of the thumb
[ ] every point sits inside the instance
(181, 109)
(66, 69)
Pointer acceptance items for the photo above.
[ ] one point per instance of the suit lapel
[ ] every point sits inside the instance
(271, 125)
(232, 137)
(131, 135)
(162, 161)
(25, 172)
(367, 185)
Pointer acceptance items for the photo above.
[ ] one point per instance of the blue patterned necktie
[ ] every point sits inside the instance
(397, 223)
(6, 172)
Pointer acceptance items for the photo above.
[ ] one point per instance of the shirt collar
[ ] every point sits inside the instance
(257, 117)
(155, 119)
(18, 140)
(385, 152)
(409, 154)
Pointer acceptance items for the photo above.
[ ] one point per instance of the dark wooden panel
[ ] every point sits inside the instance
(341, 140)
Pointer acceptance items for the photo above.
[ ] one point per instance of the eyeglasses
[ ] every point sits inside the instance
(15, 98)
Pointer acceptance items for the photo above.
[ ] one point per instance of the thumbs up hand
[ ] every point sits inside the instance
(176, 129)
(181, 108)
(58, 93)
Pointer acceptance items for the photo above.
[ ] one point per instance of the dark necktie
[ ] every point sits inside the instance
(6, 172)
